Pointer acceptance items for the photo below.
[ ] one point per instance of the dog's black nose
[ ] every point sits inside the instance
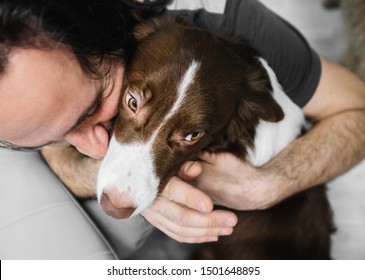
(116, 204)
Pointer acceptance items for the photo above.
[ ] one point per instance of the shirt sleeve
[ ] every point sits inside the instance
(295, 63)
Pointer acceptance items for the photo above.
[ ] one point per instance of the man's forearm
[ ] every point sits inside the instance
(329, 149)
(77, 171)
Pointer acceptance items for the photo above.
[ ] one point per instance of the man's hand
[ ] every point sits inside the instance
(185, 214)
(233, 183)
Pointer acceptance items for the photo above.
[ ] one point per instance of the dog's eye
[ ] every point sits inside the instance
(194, 136)
(132, 102)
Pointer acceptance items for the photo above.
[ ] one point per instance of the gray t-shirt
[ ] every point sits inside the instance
(295, 63)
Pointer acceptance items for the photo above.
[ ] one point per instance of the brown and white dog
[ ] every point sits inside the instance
(185, 91)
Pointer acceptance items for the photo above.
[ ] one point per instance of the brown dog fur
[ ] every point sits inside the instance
(297, 228)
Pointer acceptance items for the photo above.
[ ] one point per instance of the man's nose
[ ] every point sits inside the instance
(92, 141)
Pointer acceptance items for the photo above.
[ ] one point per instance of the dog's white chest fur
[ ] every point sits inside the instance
(271, 138)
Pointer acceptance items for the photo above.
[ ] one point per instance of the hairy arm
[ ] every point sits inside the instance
(334, 145)
(337, 141)
(331, 148)
(77, 171)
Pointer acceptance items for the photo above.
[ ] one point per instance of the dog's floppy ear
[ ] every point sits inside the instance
(255, 96)
(143, 30)
(254, 105)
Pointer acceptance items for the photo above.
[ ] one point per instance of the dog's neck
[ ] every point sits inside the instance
(271, 138)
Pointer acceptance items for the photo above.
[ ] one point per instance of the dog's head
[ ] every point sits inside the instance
(185, 90)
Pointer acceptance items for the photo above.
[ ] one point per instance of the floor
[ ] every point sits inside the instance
(324, 30)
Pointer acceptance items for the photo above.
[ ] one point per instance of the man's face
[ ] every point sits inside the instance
(46, 97)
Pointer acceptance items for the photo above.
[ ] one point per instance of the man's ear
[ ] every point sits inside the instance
(253, 107)
(146, 28)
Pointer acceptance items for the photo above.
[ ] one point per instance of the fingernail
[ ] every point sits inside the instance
(225, 231)
(231, 222)
(212, 239)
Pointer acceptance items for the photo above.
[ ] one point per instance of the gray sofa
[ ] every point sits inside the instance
(40, 219)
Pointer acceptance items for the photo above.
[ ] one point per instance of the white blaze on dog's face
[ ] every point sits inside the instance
(186, 90)
(128, 175)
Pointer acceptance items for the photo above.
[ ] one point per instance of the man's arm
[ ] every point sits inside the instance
(337, 141)
(77, 171)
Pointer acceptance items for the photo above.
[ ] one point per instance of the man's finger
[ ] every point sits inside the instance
(183, 193)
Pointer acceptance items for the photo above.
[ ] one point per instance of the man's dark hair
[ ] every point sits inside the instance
(94, 30)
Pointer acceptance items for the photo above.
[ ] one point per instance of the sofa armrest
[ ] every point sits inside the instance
(39, 219)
